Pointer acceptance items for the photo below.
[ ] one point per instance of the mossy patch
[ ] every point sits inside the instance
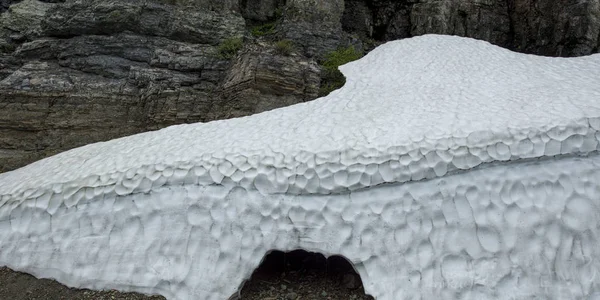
(230, 47)
(332, 78)
(264, 29)
(284, 47)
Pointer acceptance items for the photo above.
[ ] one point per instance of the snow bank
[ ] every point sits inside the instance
(490, 158)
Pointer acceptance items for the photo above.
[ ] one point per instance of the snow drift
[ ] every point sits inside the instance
(489, 158)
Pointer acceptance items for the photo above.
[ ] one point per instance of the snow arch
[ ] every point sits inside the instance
(447, 168)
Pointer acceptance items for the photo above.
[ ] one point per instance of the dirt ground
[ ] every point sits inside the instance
(297, 275)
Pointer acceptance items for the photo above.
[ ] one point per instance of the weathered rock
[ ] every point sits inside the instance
(358, 18)
(23, 21)
(481, 19)
(176, 22)
(47, 108)
(261, 79)
(554, 28)
(5, 4)
(261, 10)
(152, 51)
(8, 64)
(314, 25)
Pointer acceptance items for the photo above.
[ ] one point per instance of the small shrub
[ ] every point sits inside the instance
(327, 88)
(262, 30)
(230, 47)
(278, 13)
(284, 47)
(332, 78)
(339, 57)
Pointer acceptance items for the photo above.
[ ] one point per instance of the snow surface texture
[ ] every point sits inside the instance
(491, 159)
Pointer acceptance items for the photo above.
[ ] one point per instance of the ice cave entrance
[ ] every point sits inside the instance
(300, 274)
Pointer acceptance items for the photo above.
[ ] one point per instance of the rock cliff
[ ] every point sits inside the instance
(80, 71)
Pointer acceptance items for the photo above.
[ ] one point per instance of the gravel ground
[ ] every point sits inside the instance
(298, 275)
(298, 285)
(22, 286)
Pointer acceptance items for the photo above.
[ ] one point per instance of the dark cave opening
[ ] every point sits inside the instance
(301, 274)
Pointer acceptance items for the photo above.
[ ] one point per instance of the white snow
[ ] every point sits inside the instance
(190, 210)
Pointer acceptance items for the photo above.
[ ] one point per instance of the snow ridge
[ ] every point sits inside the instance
(411, 109)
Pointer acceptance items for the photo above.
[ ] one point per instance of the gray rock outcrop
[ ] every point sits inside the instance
(544, 27)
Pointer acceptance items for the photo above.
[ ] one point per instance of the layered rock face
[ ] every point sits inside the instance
(82, 71)
(543, 27)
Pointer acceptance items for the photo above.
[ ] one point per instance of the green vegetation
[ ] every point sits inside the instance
(7, 47)
(327, 88)
(278, 13)
(115, 14)
(284, 47)
(370, 44)
(230, 47)
(339, 57)
(264, 29)
(333, 79)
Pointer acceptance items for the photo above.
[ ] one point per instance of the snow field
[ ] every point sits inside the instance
(490, 160)
(504, 232)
